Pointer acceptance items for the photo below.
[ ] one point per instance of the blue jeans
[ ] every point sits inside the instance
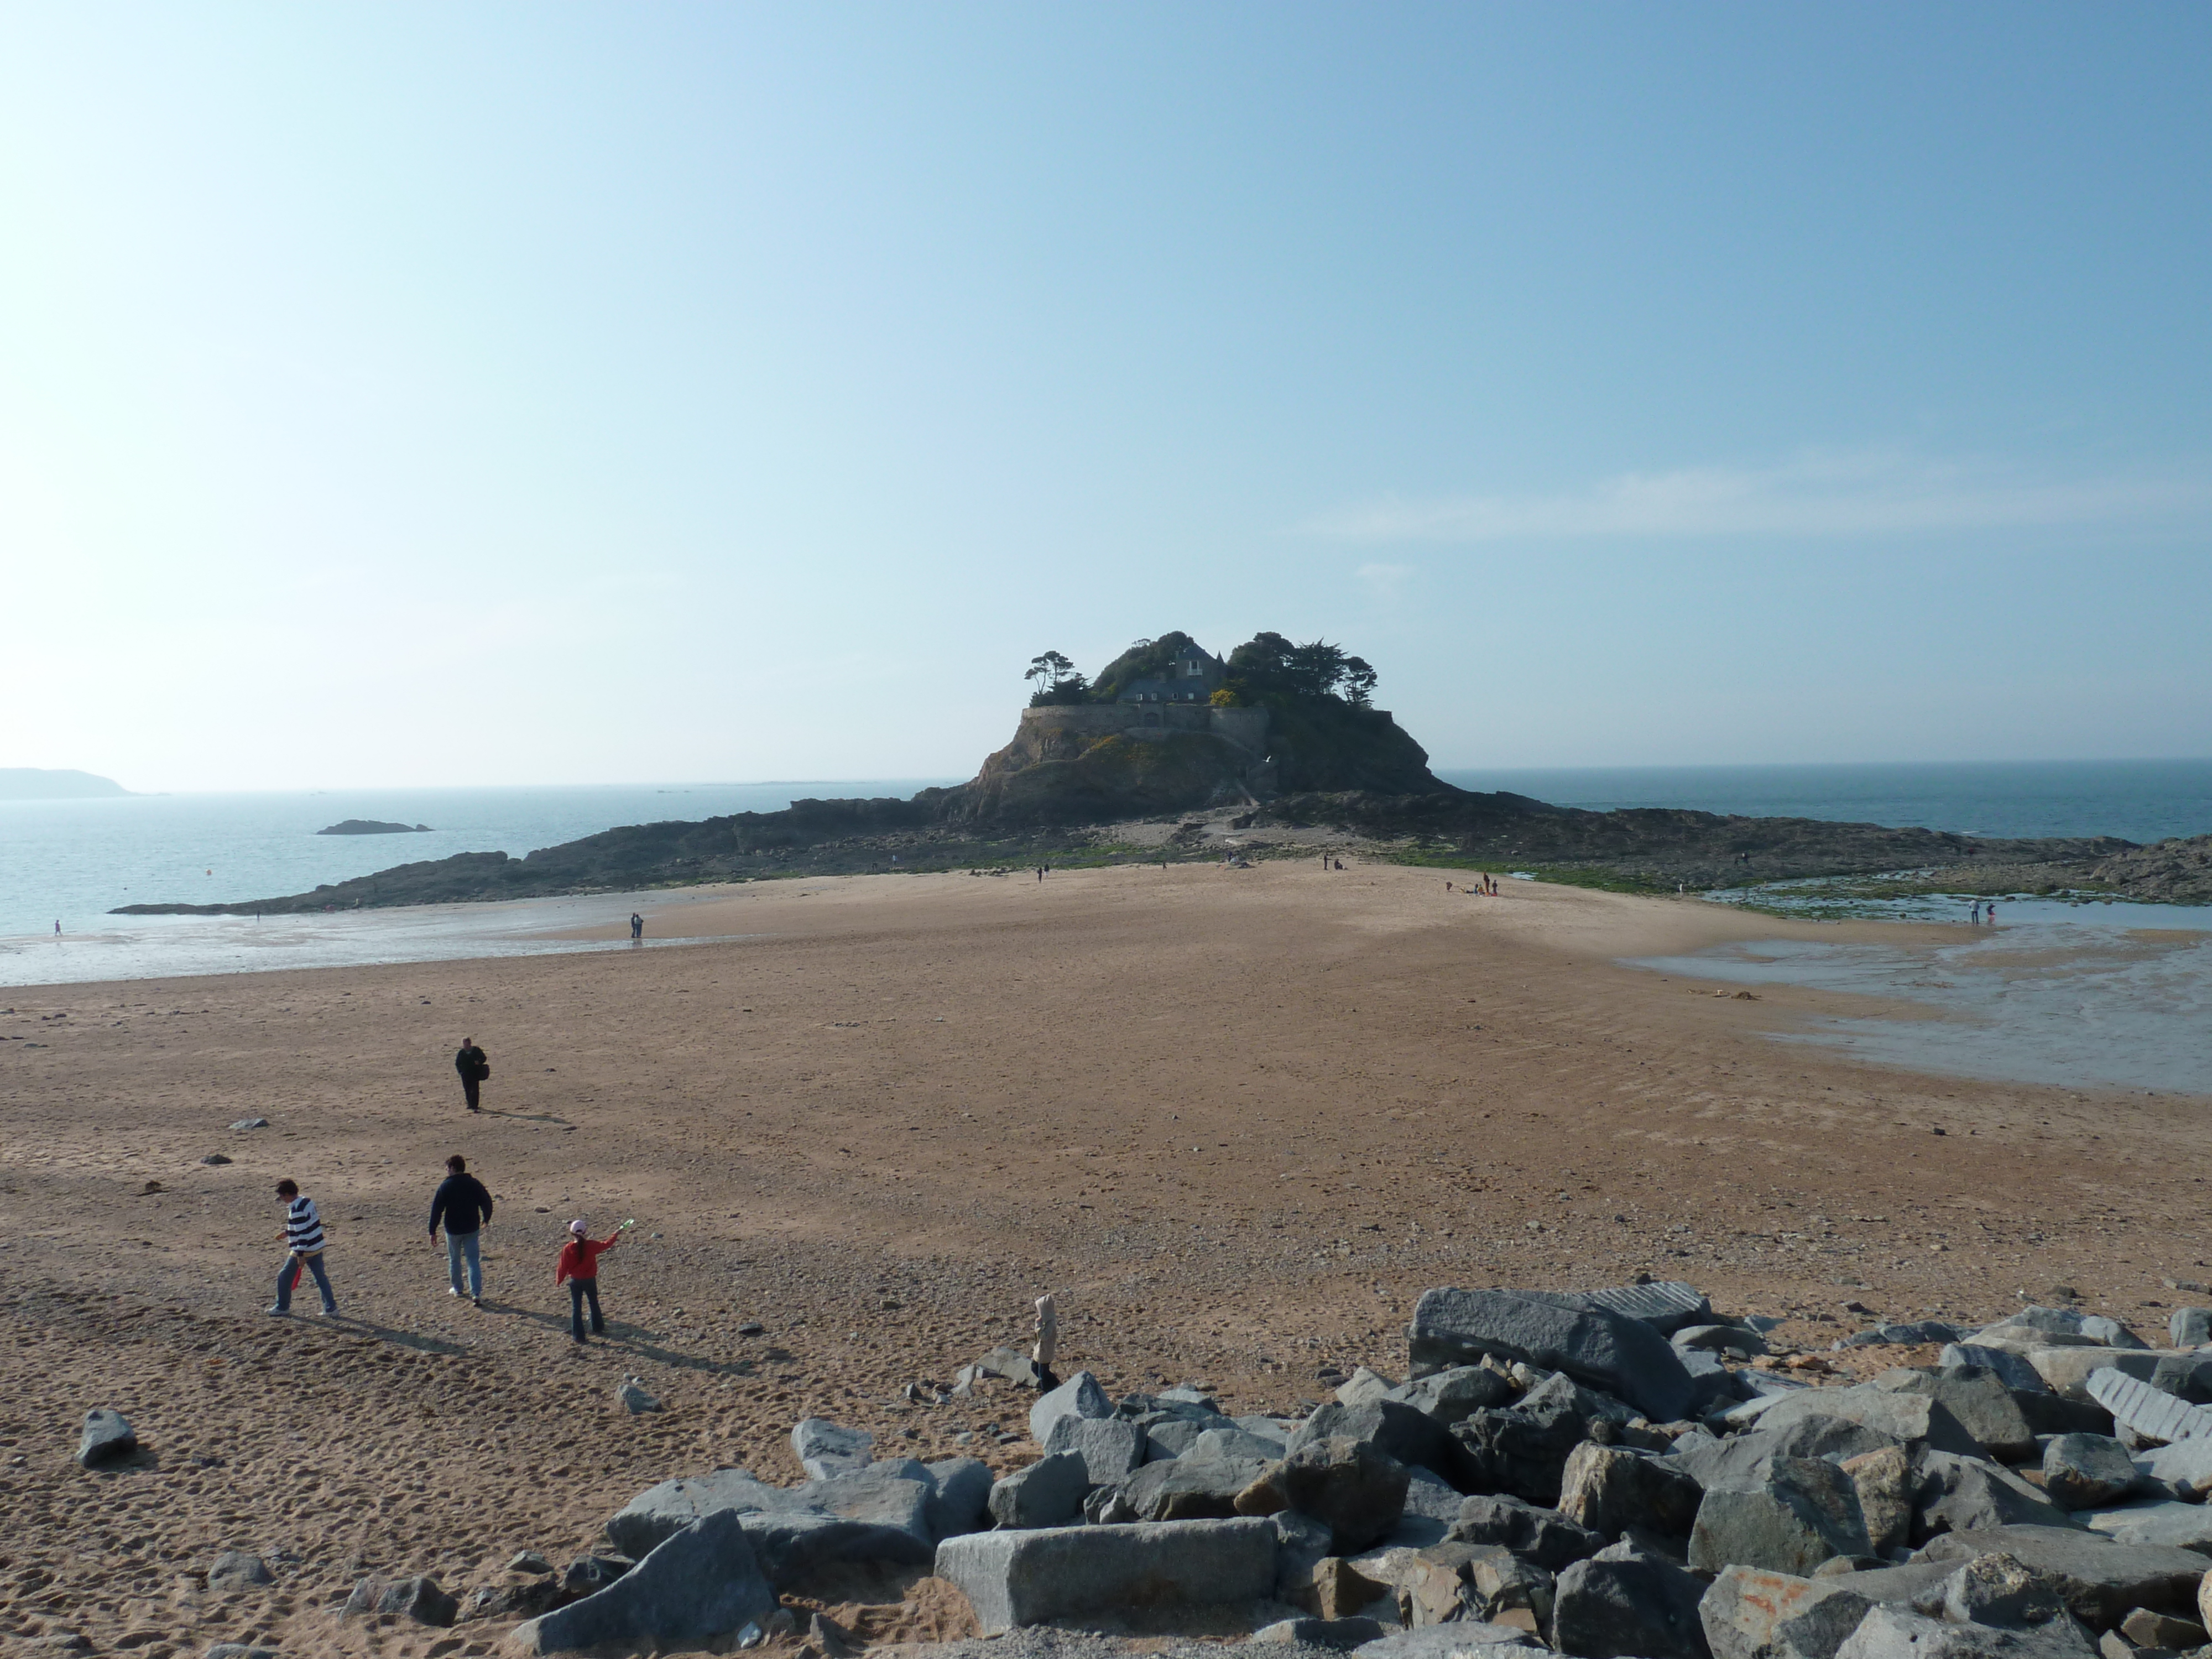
(579, 1289)
(461, 1247)
(289, 1275)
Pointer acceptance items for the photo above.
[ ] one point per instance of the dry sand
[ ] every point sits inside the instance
(1236, 1119)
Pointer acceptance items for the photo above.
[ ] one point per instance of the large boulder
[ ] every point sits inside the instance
(1667, 1306)
(701, 1583)
(1746, 1610)
(1448, 1395)
(1111, 1448)
(1623, 1356)
(1803, 1511)
(234, 1570)
(1541, 1535)
(960, 1496)
(1080, 1396)
(1398, 1430)
(1971, 1494)
(1232, 1442)
(2102, 1582)
(1885, 1483)
(1998, 1589)
(1610, 1489)
(1047, 1494)
(2068, 1371)
(1462, 1639)
(1348, 1485)
(2183, 1468)
(1913, 1420)
(1626, 1600)
(1892, 1633)
(1742, 1459)
(421, 1598)
(1186, 1490)
(2081, 1471)
(2147, 1412)
(2009, 1368)
(1015, 1578)
(2190, 1328)
(2161, 1521)
(880, 1512)
(1980, 1401)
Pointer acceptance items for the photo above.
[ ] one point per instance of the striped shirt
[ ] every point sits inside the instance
(303, 1227)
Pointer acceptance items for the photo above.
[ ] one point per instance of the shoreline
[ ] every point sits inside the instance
(1235, 1120)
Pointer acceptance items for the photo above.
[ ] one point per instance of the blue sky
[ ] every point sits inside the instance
(416, 395)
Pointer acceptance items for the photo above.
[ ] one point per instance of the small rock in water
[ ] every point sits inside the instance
(107, 1436)
(635, 1399)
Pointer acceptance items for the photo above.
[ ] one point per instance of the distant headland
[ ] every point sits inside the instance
(373, 827)
(1275, 749)
(37, 783)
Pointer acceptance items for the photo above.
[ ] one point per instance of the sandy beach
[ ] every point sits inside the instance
(1235, 1120)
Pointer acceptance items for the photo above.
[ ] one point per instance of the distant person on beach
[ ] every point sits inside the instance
(58, 930)
(1047, 1330)
(303, 1246)
(1992, 917)
(636, 925)
(474, 1066)
(463, 1205)
(580, 1268)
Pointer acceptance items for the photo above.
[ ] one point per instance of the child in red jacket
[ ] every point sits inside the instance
(580, 1267)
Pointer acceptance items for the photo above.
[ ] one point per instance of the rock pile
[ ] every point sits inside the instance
(1597, 1475)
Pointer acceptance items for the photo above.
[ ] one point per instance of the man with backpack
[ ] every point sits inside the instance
(463, 1205)
(475, 1067)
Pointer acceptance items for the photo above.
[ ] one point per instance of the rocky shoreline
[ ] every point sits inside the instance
(1601, 1475)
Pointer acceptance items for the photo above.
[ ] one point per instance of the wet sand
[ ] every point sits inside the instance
(1236, 1119)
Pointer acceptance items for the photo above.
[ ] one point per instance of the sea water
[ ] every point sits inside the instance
(71, 862)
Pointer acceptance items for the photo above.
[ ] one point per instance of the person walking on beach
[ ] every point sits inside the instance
(636, 925)
(463, 1205)
(303, 1246)
(580, 1267)
(475, 1067)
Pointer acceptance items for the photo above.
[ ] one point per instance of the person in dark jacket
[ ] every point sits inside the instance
(475, 1067)
(463, 1206)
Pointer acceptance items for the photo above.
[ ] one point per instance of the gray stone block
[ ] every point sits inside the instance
(1429, 1496)
(1302, 1544)
(1016, 1578)
(1047, 1494)
(1189, 1489)
(2101, 1581)
(1355, 1491)
(2190, 1328)
(1624, 1356)
(2185, 1377)
(1610, 1489)
(1745, 1608)
(2145, 1411)
(1623, 1602)
(1998, 1589)
(1665, 1305)
(1979, 1400)
(826, 1449)
(1742, 1459)
(1804, 1511)
(2161, 1521)
(1541, 1535)
(1892, 1632)
(1395, 1429)
(2068, 1369)
(791, 1545)
(1969, 1494)
(1235, 1444)
(701, 1583)
(1912, 1419)
(961, 1496)
(2183, 1468)
(2083, 1471)
(1449, 1395)
(875, 1513)
(1319, 1632)
(1080, 1396)
(2011, 1369)
(1110, 1447)
(1170, 1436)
(1721, 1339)
(1885, 1483)
(107, 1436)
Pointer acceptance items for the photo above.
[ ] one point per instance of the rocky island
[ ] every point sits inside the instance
(1275, 751)
(373, 826)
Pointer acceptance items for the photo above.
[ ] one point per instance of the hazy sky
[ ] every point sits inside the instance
(552, 393)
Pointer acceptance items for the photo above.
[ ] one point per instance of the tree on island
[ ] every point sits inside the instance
(1057, 681)
(1267, 666)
